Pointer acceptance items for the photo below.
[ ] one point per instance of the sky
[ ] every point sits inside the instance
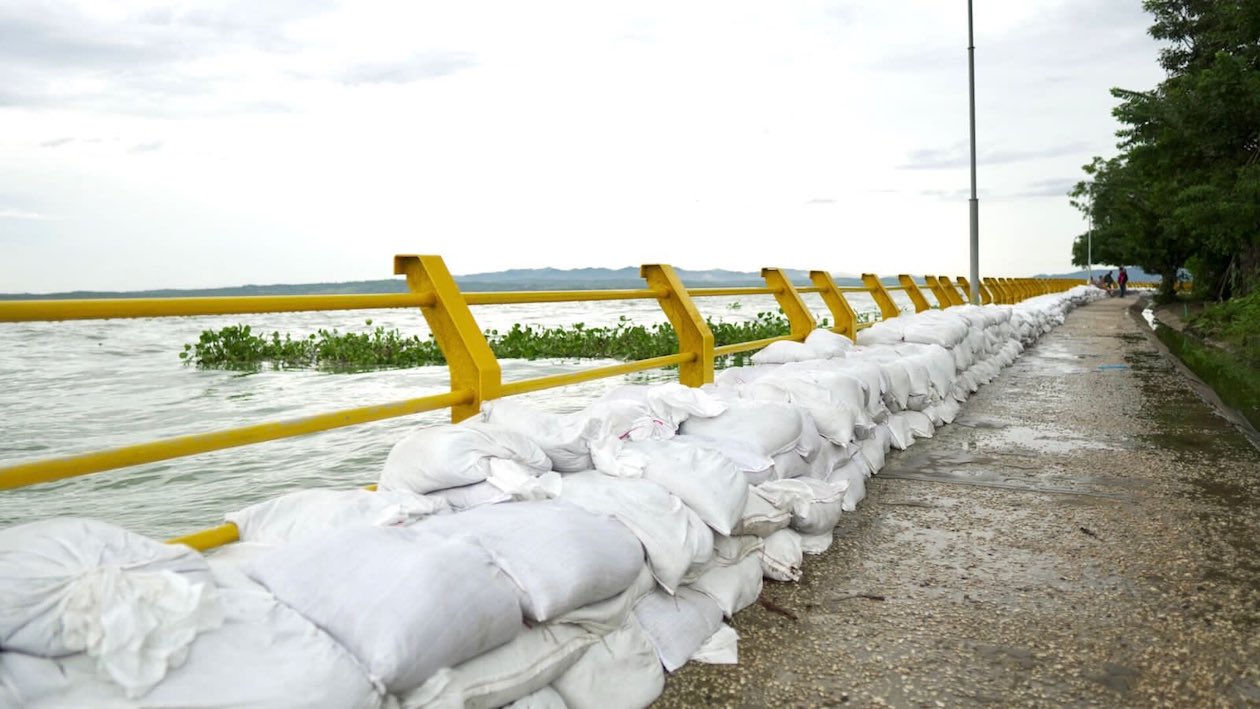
(200, 144)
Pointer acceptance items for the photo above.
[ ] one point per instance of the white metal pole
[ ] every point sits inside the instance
(1089, 239)
(975, 202)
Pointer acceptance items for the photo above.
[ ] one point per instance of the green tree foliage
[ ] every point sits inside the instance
(1185, 188)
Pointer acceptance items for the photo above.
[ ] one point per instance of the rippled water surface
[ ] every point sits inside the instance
(74, 387)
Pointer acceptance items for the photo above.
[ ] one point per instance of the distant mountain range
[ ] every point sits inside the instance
(514, 279)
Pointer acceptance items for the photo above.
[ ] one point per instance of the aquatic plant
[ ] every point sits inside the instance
(237, 347)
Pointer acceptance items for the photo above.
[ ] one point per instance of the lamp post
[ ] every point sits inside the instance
(975, 202)
(1089, 237)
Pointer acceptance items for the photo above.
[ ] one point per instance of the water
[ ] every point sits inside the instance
(81, 386)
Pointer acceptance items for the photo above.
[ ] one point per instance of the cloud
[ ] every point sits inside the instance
(149, 147)
(958, 156)
(55, 142)
(1054, 187)
(425, 65)
(948, 195)
(7, 213)
(820, 200)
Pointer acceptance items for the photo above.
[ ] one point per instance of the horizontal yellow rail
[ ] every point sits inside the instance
(557, 296)
(48, 470)
(31, 310)
(714, 292)
(613, 370)
(738, 347)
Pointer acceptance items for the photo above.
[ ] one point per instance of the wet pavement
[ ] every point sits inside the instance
(1087, 533)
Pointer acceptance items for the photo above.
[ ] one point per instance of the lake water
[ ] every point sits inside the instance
(72, 387)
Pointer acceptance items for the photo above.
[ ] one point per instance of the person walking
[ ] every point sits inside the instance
(1108, 282)
(1123, 280)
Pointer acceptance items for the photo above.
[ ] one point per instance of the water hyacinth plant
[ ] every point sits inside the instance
(237, 347)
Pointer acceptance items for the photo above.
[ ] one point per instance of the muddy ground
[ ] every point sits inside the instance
(1087, 533)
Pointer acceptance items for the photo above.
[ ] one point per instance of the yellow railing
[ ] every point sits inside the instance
(475, 374)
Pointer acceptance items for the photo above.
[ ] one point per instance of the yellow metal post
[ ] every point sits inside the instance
(694, 336)
(841, 311)
(941, 298)
(472, 364)
(950, 292)
(916, 295)
(800, 320)
(997, 290)
(887, 308)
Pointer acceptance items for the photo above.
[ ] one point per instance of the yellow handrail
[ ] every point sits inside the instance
(475, 372)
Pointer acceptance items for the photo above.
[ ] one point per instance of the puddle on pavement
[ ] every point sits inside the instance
(968, 468)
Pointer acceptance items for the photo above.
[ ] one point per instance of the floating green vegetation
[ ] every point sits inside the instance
(237, 347)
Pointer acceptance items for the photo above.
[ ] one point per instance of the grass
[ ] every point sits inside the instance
(1235, 324)
(237, 347)
(1235, 381)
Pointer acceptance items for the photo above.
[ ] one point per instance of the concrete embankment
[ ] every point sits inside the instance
(1086, 533)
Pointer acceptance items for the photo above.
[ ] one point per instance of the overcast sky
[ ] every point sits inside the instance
(192, 144)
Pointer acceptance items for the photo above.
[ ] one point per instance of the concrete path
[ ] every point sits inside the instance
(1087, 533)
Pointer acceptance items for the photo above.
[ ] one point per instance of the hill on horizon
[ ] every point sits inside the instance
(524, 279)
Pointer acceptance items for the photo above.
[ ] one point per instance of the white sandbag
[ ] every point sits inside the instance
(854, 476)
(791, 465)
(827, 343)
(816, 504)
(818, 543)
(728, 551)
(563, 438)
(264, 655)
(899, 425)
(439, 457)
(784, 351)
(872, 452)
(704, 480)
(559, 556)
(678, 625)
(780, 556)
(466, 497)
(627, 419)
(918, 423)
(755, 465)
(405, 604)
(733, 587)
(132, 604)
(770, 427)
(672, 535)
(761, 518)
(722, 648)
(620, 671)
(531, 661)
(948, 410)
(670, 401)
(606, 616)
(305, 513)
(545, 698)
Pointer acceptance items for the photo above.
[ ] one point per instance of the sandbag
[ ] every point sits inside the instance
(816, 505)
(620, 671)
(305, 513)
(781, 556)
(761, 518)
(562, 437)
(264, 655)
(509, 672)
(854, 476)
(672, 535)
(443, 456)
(405, 604)
(721, 648)
(545, 698)
(770, 427)
(817, 543)
(784, 351)
(559, 556)
(828, 344)
(678, 625)
(706, 481)
(132, 604)
(733, 587)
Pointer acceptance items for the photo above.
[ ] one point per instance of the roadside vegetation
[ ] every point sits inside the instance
(239, 347)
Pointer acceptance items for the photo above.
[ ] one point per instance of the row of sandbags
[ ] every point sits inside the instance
(520, 557)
